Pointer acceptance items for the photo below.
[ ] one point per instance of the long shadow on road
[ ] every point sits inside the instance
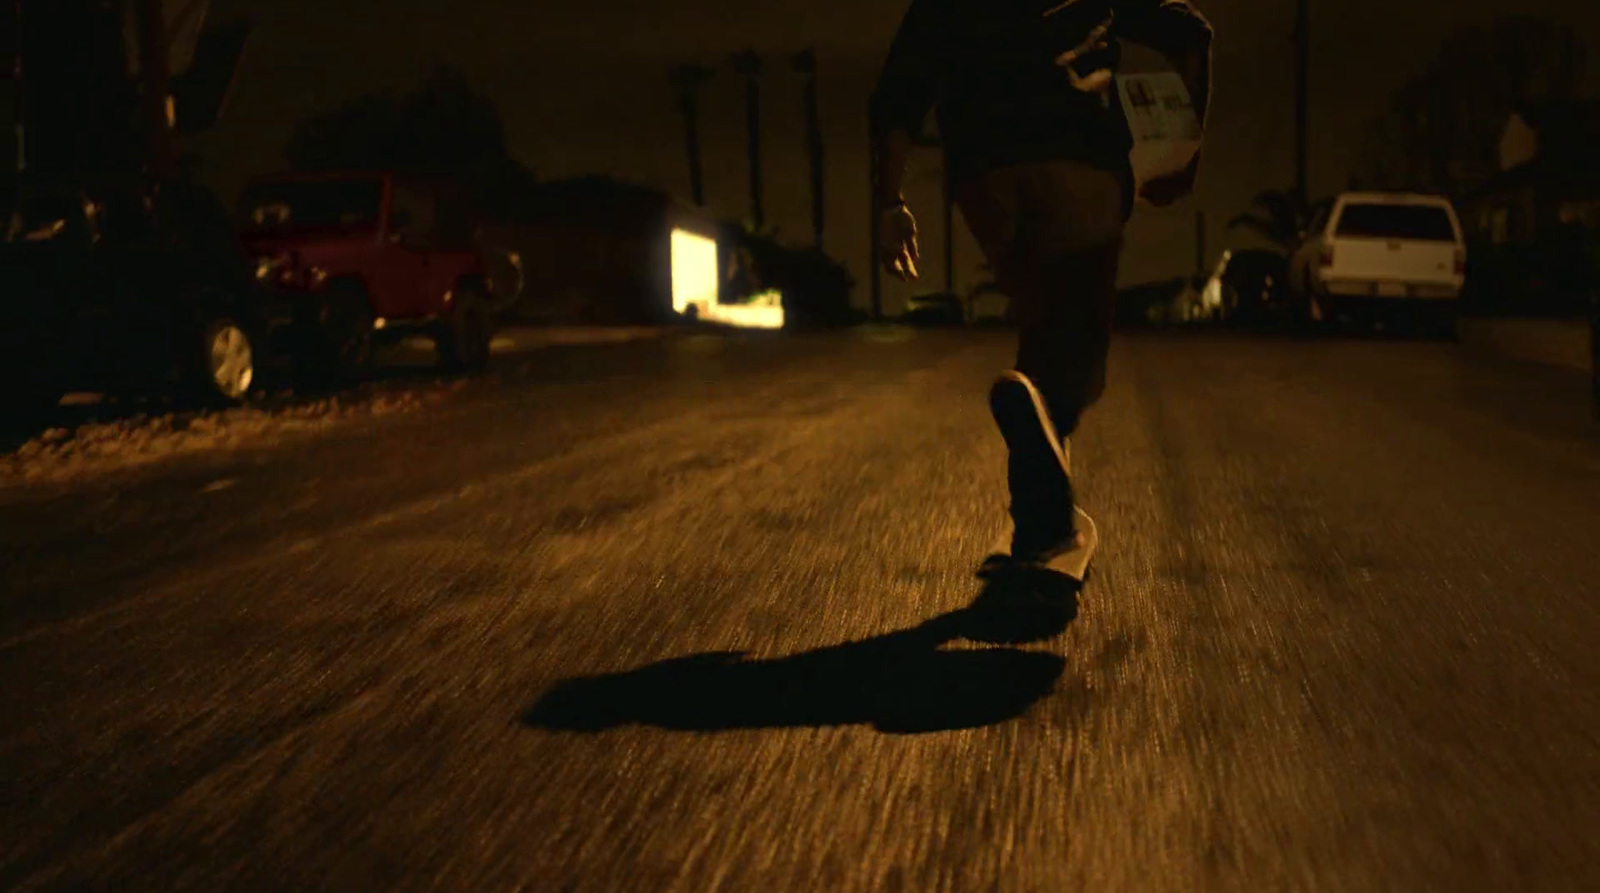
(902, 682)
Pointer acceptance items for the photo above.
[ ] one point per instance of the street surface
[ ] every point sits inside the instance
(687, 615)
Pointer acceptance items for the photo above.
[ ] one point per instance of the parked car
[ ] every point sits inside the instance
(99, 293)
(371, 257)
(936, 309)
(1388, 258)
(1250, 286)
(987, 305)
(1153, 303)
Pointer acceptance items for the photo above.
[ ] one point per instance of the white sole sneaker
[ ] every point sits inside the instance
(1025, 423)
(1074, 562)
(1019, 410)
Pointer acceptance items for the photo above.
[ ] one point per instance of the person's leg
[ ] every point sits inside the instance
(1052, 234)
(1064, 339)
(993, 208)
(1074, 243)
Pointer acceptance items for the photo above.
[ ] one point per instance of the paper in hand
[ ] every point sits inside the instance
(1166, 130)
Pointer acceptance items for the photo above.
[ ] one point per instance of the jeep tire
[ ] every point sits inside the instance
(346, 335)
(464, 337)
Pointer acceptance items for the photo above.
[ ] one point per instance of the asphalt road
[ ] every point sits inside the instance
(689, 615)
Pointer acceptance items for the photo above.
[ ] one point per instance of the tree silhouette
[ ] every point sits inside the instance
(1279, 216)
(687, 81)
(805, 63)
(747, 64)
(1441, 130)
(440, 127)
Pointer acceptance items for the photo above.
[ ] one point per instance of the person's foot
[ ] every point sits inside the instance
(1041, 485)
(1073, 543)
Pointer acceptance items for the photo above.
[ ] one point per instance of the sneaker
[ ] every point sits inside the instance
(1040, 478)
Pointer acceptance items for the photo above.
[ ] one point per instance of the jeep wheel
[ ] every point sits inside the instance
(347, 335)
(463, 341)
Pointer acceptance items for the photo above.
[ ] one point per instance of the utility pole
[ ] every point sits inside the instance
(155, 87)
(748, 65)
(874, 227)
(18, 76)
(1594, 347)
(687, 81)
(947, 209)
(1302, 100)
(805, 63)
(949, 243)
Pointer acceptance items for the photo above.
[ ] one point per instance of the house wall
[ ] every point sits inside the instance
(586, 273)
(616, 272)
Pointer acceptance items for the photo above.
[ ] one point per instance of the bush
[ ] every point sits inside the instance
(816, 287)
(1548, 280)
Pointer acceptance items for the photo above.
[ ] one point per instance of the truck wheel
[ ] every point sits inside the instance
(1302, 319)
(1445, 323)
(463, 341)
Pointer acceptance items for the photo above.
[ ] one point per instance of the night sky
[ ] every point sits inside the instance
(582, 88)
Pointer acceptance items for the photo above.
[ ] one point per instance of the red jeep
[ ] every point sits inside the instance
(370, 256)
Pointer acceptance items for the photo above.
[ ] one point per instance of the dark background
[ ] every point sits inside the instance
(582, 88)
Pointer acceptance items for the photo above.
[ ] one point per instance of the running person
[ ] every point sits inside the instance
(1037, 157)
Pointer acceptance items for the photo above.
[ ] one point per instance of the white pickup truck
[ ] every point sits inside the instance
(1393, 259)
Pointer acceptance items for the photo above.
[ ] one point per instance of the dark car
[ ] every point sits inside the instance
(1152, 303)
(1256, 283)
(368, 257)
(938, 309)
(107, 292)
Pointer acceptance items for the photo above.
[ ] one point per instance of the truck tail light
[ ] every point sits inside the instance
(1461, 262)
(1327, 256)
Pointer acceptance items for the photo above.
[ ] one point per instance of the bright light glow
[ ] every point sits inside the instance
(694, 271)
(765, 312)
(694, 284)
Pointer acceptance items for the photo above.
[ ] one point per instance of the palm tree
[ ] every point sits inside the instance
(686, 81)
(1280, 216)
(805, 63)
(748, 65)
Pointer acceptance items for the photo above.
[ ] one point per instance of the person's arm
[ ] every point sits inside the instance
(904, 96)
(1179, 32)
(894, 152)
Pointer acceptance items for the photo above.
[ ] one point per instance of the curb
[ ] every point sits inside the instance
(522, 339)
(1560, 343)
(515, 339)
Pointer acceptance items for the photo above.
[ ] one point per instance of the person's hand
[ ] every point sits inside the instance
(1163, 191)
(897, 242)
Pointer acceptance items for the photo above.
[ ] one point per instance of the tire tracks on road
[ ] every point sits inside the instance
(456, 642)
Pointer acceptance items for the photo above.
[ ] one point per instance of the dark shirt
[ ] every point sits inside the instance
(988, 70)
